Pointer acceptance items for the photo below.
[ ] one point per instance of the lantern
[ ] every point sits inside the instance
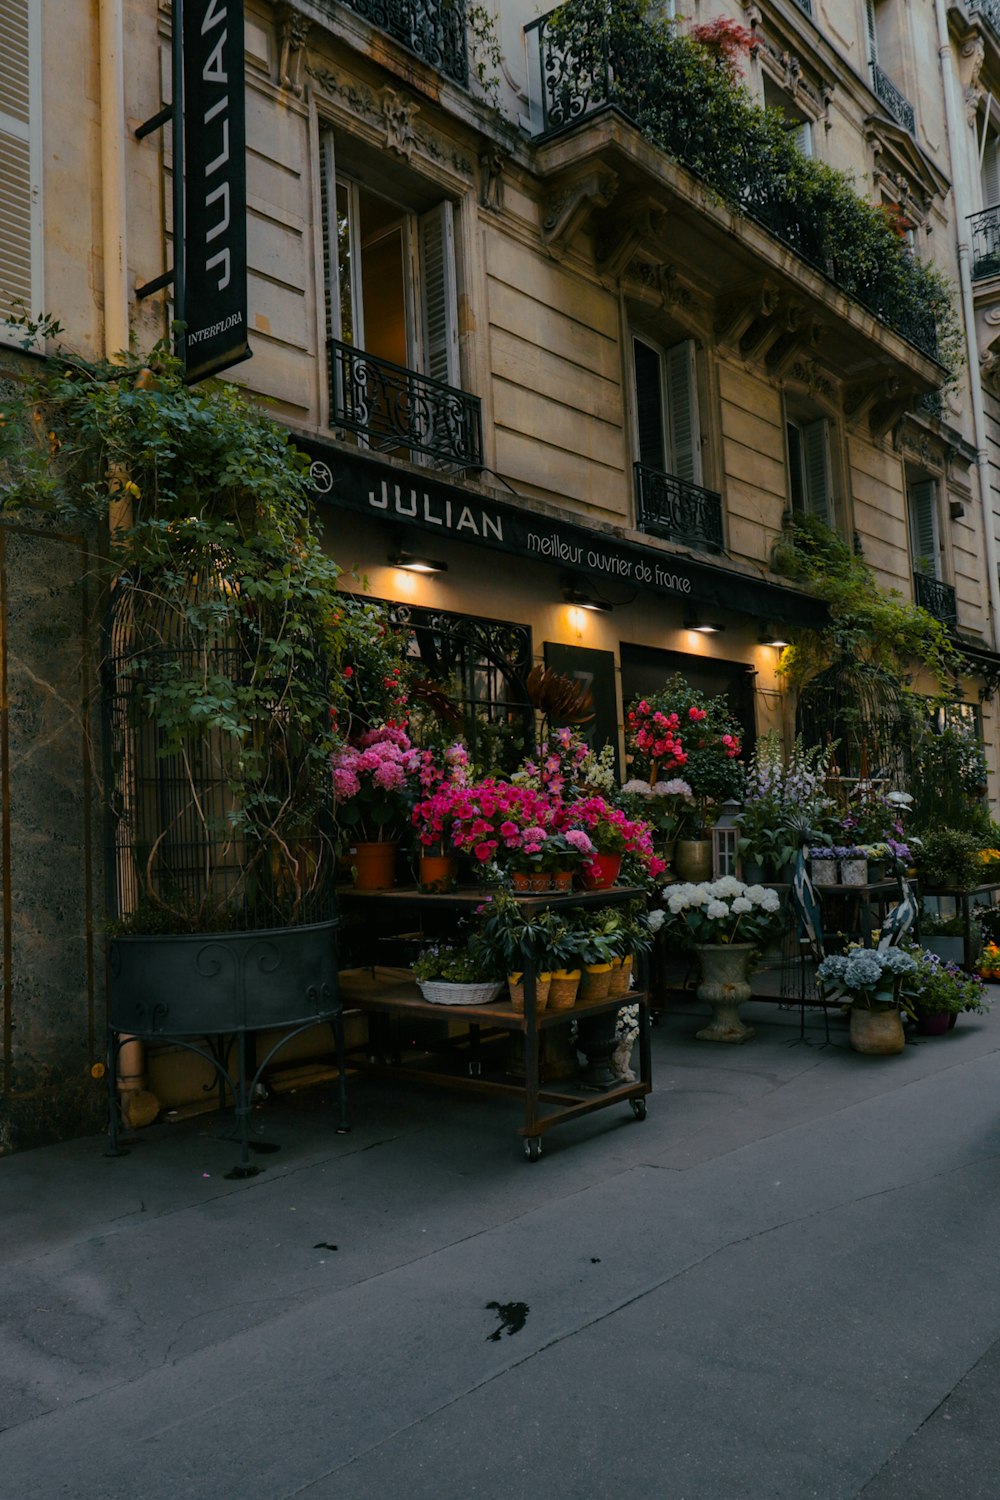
(726, 841)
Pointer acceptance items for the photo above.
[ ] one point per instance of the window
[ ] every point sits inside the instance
(797, 124)
(20, 158)
(809, 480)
(391, 279)
(921, 497)
(989, 176)
(667, 435)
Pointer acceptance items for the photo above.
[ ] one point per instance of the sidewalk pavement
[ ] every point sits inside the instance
(782, 1284)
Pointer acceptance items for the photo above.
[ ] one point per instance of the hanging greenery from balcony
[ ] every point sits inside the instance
(684, 93)
(867, 624)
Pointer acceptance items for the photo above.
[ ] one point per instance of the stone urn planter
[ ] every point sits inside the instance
(725, 987)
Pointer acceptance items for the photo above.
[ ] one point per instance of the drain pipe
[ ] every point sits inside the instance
(112, 41)
(955, 118)
(138, 1107)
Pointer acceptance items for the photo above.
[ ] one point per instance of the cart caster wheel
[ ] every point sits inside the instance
(638, 1108)
(533, 1148)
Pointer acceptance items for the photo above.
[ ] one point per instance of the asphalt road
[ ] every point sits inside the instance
(782, 1284)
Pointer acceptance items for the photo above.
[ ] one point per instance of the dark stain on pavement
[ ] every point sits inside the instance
(512, 1315)
(324, 1245)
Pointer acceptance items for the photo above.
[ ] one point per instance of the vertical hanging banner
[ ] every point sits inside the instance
(215, 188)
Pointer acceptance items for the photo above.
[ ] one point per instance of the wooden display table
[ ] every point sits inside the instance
(393, 993)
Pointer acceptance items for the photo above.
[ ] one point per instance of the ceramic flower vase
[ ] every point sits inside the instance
(693, 859)
(724, 987)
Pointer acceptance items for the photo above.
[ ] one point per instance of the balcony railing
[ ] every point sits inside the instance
(936, 597)
(805, 5)
(679, 511)
(894, 103)
(985, 231)
(990, 12)
(398, 408)
(593, 57)
(434, 30)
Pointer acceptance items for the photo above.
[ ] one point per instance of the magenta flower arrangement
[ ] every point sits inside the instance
(374, 782)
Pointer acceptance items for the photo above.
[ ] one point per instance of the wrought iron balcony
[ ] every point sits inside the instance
(990, 12)
(393, 407)
(592, 58)
(434, 30)
(936, 597)
(894, 103)
(679, 511)
(985, 231)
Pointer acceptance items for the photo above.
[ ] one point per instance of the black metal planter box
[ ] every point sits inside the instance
(217, 988)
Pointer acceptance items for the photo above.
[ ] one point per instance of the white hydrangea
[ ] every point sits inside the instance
(726, 887)
(656, 919)
(741, 905)
(771, 901)
(677, 901)
(755, 893)
(717, 909)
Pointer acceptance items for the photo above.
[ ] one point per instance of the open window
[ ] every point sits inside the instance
(810, 482)
(925, 548)
(667, 434)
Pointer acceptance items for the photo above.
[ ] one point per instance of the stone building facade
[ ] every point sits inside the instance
(521, 340)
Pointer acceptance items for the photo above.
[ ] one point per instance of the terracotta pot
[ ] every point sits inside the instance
(515, 985)
(595, 982)
(437, 872)
(563, 989)
(562, 880)
(374, 865)
(877, 1031)
(693, 859)
(601, 871)
(539, 882)
(724, 986)
(521, 880)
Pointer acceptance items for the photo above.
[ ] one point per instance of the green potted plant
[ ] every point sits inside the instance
(949, 859)
(939, 991)
(513, 934)
(456, 974)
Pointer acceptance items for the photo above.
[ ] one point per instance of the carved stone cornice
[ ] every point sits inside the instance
(745, 315)
(627, 234)
(567, 209)
(391, 119)
(660, 281)
(293, 33)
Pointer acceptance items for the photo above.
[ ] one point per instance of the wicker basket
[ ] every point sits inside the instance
(621, 977)
(442, 992)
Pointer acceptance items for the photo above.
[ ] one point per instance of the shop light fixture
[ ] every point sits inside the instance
(415, 562)
(703, 627)
(586, 601)
(773, 635)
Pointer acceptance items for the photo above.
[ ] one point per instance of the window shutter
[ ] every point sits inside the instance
(991, 173)
(439, 294)
(16, 197)
(872, 31)
(816, 469)
(802, 136)
(923, 527)
(648, 405)
(682, 413)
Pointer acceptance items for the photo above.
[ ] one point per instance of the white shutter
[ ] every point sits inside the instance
(991, 173)
(682, 413)
(439, 295)
(923, 527)
(872, 31)
(802, 136)
(20, 239)
(816, 469)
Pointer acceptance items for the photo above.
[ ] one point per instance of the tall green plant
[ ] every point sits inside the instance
(233, 629)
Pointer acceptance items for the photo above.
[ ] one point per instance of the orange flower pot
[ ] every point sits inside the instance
(374, 865)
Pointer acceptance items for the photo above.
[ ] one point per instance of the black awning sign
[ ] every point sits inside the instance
(215, 188)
